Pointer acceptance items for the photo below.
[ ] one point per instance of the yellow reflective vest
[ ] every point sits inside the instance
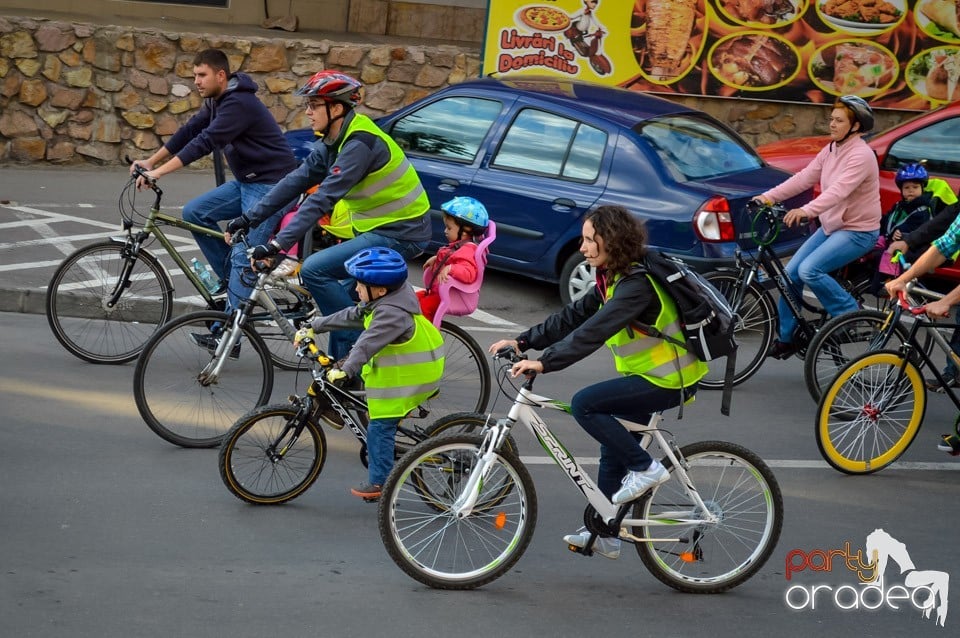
(387, 195)
(660, 362)
(403, 375)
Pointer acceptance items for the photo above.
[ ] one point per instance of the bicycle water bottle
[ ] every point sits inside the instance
(205, 275)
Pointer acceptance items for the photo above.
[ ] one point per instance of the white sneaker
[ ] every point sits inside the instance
(606, 547)
(636, 483)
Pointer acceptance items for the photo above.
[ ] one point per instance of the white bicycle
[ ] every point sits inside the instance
(459, 510)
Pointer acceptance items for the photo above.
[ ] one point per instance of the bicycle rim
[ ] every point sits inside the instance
(841, 340)
(754, 332)
(738, 488)
(76, 303)
(262, 464)
(870, 414)
(172, 395)
(465, 384)
(426, 539)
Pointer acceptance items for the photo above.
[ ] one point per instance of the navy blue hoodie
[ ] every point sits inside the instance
(238, 123)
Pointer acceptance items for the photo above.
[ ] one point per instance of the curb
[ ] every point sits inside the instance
(26, 301)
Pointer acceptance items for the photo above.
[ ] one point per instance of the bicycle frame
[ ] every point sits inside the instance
(523, 412)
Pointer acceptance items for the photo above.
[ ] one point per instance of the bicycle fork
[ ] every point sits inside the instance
(130, 250)
(493, 437)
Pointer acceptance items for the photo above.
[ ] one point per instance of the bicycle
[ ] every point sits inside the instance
(459, 510)
(190, 394)
(274, 453)
(107, 299)
(871, 412)
(745, 287)
(844, 338)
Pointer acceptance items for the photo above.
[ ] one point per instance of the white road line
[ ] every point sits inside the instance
(949, 466)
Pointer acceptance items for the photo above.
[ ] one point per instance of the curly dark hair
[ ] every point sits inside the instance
(624, 235)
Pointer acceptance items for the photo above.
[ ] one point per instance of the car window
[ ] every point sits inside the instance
(548, 144)
(692, 148)
(931, 143)
(452, 128)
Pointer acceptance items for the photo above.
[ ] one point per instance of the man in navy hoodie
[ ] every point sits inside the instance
(235, 121)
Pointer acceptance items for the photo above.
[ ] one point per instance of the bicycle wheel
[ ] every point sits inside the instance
(425, 537)
(465, 385)
(76, 303)
(171, 382)
(841, 340)
(755, 329)
(262, 463)
(741, 491)
(871, 413)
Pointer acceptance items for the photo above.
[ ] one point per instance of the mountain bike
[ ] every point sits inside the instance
(201, 371)
(274, 453)
(459, 510)
(871, 412)
(107, 299)
(747, 289)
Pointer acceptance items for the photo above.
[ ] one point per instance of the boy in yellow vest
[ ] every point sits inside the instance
(399, 354)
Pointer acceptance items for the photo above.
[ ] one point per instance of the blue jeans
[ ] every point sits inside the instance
(226, 202)
(811, 266)
(380, 445)
(630, 397)
(325, 276)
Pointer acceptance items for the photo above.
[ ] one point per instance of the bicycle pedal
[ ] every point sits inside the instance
(372, 499)
(576, 550)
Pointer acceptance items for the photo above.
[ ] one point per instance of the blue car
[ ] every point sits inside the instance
(541, 152)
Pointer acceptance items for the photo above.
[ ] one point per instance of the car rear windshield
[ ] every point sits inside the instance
(696, 149)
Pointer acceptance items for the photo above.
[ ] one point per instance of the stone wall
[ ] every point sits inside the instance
(73, 92)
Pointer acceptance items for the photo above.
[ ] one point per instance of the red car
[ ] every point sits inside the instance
(931, 137)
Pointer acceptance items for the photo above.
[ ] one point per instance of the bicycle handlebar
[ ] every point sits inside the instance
(771, 214)
(139, 171)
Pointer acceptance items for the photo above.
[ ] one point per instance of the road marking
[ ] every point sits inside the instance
(949, 466)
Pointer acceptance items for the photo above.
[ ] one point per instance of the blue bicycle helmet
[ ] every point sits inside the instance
(467, 210)
(861, 111)
(912, 173)
(378, 267)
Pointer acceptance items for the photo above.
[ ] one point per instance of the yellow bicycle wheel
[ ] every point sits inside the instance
(871, 413)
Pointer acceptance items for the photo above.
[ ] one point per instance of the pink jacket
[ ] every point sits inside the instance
(849, 181)
(462, 262)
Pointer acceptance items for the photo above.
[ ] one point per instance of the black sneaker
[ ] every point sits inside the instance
(211, 342)
(949, 379)
(782, 350)
(950, 443)
(367, 491)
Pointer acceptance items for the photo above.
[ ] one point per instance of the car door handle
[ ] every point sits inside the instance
(448, 185)
(563, 205)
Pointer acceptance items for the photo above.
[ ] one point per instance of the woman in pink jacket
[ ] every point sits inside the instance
(848, 208)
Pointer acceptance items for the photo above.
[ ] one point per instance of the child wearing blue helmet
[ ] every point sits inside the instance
(465, 222)
(399, 354)
(912, 211)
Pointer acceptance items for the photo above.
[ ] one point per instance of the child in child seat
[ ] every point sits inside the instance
(465, 222)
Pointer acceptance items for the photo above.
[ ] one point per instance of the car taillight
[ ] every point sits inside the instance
(713, 222)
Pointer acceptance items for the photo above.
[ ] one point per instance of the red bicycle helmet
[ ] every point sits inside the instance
(332, 86)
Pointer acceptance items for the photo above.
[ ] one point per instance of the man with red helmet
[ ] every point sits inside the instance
(361, 170)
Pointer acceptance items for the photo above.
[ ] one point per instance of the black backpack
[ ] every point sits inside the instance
(706, 318)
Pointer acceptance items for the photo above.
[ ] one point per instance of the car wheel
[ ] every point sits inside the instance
(576, 278)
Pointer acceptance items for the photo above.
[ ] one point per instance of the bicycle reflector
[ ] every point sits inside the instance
(688, 557)
(713, 222)
(500, 520)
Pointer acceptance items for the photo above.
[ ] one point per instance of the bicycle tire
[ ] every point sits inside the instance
(841, 340)
(252, 468)
(854, 434)
(754, 333)
(169, 391)
(75, 303)
(465, 384)
(742, 491)
(427, 540)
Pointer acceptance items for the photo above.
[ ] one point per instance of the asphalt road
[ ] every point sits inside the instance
(109, 531)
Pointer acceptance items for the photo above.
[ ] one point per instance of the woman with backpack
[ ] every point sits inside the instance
(655, 373)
